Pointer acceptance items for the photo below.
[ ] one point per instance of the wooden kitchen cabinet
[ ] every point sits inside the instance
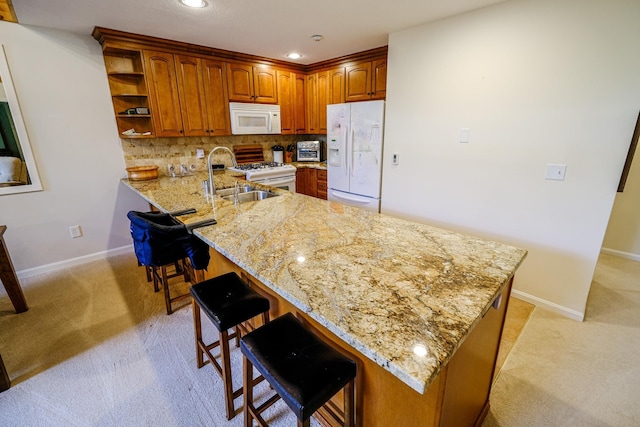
(203, 99)
(317, 98)
(128, 87)
(322, 184)
(336, 88)
(286, 96)
(252, 83)
(366, 80)
(300, 107)
(163, 92)
(312, 182)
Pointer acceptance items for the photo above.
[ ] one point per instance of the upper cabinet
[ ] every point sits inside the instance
(252, 83)
(163, 93)
(165, 88)
(128, 88)
(187, 95)
(203, 98)
(286, 96)
(366, 80)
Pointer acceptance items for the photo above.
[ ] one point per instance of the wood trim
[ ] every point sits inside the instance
(108, 37)
(7, 12)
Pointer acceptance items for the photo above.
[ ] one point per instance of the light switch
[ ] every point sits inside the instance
(464, 135)
(396, 159)
(199, 153)
(555, 172)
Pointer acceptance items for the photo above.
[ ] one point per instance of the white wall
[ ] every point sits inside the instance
(623, 233)
(64, 97)
(536, 82)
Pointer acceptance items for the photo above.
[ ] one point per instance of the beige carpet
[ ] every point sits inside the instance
(567, 373)
(96, 348)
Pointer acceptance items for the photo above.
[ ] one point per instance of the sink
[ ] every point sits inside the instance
(241, 189)
(251, 196)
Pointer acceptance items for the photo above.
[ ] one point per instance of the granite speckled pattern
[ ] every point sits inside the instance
(382, 284)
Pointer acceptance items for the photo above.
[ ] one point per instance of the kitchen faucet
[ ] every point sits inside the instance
(212, 187)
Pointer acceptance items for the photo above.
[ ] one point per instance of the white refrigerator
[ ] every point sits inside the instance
(354, 153)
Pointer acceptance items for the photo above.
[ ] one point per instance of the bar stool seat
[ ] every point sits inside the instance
(228, 302)
(303, 370)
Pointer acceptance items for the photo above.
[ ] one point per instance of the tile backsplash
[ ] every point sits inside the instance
(182, 151)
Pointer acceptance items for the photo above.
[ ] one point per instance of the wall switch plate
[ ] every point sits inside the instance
(75, 231)
(396, 159)
(199, 153)
(464, 135)
(555, 172)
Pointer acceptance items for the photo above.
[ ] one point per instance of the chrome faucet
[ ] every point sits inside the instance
(212, 187)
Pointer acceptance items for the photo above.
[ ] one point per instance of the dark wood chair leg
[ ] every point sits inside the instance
(197, 326)
(5, 382)
(226, 373)
(165, 284)
(247, 391)
(349, 406)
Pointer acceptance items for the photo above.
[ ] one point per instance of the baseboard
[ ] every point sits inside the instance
(622, 254)
(539, 302)
(48, 268)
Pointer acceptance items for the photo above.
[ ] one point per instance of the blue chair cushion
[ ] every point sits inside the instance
(160, 239)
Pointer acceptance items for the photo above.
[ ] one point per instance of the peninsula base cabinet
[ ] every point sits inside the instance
(457, 397)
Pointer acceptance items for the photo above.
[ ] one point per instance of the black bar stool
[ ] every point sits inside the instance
(161, 241)
(304, 371)
(228, 302)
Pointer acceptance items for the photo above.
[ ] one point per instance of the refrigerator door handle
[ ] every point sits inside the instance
(360, 200)
(353, 154)
(346, 150)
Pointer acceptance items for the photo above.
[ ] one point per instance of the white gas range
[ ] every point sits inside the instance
(273, 174)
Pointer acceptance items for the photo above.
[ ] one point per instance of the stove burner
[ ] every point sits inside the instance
(262, 165)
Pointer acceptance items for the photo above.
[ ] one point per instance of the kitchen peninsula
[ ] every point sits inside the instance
(421, 309)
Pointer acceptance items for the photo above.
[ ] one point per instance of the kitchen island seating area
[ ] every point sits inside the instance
(160, 241)
(229, 303)
(304, 371)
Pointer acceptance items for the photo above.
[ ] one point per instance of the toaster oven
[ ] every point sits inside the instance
(310, 151)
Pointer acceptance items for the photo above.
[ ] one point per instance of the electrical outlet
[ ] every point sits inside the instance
(199, 153)
(75, 231)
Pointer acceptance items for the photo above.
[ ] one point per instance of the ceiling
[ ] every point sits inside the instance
(258, 27)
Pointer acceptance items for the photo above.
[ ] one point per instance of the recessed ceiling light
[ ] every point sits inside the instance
(294, 55)
(194, 3)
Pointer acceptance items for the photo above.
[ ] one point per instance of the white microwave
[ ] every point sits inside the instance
(254, 119)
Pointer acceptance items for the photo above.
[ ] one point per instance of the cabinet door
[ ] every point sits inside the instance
(163, 93)
(301, 181)
(286, 91)
(336, 86)
(312, 103)
(322, 184)
(301, 104)
(358, 82)
(192, 99)
(217, 101)
(264, 85)
(312, 182)
(379, 79)
(323, 97)
(240, 82)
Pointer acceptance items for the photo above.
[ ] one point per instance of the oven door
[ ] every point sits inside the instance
(283, 182)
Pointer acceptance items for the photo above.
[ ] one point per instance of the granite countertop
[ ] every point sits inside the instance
(382, 284)
(312, 165)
